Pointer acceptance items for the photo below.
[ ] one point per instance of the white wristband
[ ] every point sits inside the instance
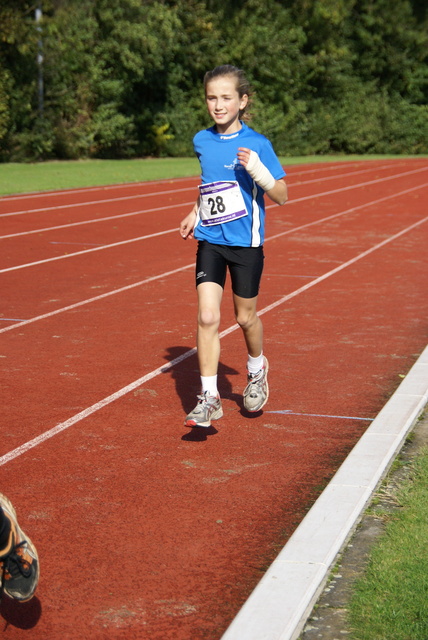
(259, 172)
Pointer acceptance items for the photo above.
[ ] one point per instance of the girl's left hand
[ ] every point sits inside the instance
(243, 156)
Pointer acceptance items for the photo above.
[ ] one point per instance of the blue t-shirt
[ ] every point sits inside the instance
(217, 156)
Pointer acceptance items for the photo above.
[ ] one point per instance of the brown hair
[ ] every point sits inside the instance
(242, 85)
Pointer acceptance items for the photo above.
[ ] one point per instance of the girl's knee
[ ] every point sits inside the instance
(208, 318)
(245, 319)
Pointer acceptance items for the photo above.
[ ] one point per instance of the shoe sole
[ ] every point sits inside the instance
(267, 392)
(215, 416)
(11, 510)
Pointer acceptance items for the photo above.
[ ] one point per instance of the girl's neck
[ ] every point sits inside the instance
(232, 128)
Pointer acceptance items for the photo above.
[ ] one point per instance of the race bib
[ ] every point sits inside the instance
(221, 202)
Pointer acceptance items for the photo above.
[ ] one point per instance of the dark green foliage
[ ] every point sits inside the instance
(123, 78)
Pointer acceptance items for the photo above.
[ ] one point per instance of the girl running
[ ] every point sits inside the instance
(238, 166)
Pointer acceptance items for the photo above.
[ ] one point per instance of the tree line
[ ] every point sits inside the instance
(123, 78)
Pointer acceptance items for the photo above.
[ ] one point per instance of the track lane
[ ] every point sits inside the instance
(79, 194)
(81, 338)
(225, 499)
(93, 235)
(204, 516)
(90, 271)
(132, 204)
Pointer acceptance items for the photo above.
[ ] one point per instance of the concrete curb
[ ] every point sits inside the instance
(282, 601)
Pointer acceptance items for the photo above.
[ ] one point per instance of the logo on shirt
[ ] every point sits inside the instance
(234, 166)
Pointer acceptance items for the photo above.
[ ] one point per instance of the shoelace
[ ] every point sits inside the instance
(255, 380)
(14, 564)
(205, 397)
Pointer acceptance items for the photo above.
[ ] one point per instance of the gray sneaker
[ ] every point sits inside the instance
(208, 408)
(19, 562)
(256, 392)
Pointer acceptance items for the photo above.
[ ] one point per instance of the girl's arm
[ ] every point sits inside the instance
(276, 189)
(188, 223)
(279, 192)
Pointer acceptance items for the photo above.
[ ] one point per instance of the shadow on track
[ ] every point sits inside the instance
(22, 615)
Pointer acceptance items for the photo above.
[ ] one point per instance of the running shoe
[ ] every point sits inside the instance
(208, 408)
(19, 562)
(256, 393)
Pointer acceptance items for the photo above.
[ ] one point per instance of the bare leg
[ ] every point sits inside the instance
(256, 393)
(209, 300)
(250, 323)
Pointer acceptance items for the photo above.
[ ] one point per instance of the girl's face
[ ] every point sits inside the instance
(224, 103)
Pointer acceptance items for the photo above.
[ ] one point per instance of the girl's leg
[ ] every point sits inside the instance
(208, 342)
(256, 393)
(209, 300)
(250, 323)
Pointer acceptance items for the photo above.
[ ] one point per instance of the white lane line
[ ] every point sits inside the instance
(281, 602)
(328, 274)
(351, 210)
(358, 185)
(101, 187)
(278, 235)
(323, 167)
(77, 205)
(70, 307)
(11, 455)
(292, 202)
(137, 212)
(342, 266)
(166, 181)
(79, 253)
(290, 412)
(144, 211)
(93, 220)
(95, 407)
(339, 175)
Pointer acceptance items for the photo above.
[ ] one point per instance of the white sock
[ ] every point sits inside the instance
(254, 365)
(209, 383)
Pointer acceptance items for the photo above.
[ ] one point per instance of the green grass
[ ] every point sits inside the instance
(390, 601)
(44, 176)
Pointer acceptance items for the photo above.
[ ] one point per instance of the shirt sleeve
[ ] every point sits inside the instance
(270, 160)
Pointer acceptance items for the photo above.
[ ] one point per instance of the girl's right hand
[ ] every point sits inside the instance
(187, 225)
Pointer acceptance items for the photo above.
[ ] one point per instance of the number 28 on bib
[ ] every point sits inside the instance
(220, 202)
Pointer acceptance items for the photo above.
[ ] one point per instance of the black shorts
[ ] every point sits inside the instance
(245, 267)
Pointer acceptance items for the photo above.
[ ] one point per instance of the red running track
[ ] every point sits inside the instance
(146, 529)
